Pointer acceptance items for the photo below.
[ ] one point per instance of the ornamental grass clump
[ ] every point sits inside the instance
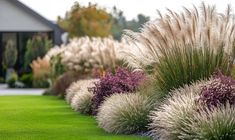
(211, 124)
(123, 81)
(78, 87)
(169, 120)
(203, 110)
(180, 48)
(124, 113)
(80, 96)
(82, 102)
(219, 92)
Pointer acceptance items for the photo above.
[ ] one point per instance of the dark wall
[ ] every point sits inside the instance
(1, 52)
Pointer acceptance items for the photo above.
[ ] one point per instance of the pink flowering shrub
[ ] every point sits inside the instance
(123, 81)
(219, 92)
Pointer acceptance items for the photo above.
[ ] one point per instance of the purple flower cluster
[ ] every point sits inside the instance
(219, 92)
(122, 81)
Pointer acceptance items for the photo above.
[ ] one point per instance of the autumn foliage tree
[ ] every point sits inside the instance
(86, 21)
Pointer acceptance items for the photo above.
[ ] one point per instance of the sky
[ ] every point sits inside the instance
(53, 8)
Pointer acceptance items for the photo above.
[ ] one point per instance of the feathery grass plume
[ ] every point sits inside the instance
(124, 113)
(41, 72)
(82, 97)
(77, 87)
(170, 119)
(85, 54)
(180, 48)
(217, 124)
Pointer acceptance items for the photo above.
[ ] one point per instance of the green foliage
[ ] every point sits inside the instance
(57, 68)
(41, 83)
(12, 80)
(181, 66)
(86, 21)
(36, 47)
(27, 79)
(120, 23)
(10, 54)
(2, 80)
(233, 71)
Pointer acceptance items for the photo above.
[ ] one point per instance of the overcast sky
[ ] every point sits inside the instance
(52, 8)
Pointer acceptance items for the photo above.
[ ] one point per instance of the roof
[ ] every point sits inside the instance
(36, 15)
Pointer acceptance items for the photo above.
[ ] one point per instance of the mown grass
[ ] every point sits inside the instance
(48, 118)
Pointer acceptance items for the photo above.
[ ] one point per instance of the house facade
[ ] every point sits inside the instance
(19, 23)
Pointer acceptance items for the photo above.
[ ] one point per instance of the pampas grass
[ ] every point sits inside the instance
(124, 113)
(180, 48)
(197, 27)
(85, 54)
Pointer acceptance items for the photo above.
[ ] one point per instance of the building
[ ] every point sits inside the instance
(19, 23)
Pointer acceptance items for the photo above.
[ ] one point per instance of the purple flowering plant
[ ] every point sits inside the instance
(219, 92)
(123, 81)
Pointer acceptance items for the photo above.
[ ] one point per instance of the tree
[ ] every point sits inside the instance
(86, 21)
(36, 47)
(120, 23)
(10, 54)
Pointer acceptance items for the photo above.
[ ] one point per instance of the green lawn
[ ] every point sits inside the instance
(48, 118)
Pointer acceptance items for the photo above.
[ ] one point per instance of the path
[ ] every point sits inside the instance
(6, 91)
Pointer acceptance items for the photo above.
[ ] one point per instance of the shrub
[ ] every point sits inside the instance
(63, 82)
(27, 79)
(170, 119)
(56, 66)
(121, 82)
(10, 54)
(124, 113)
(212, 124)
(180, 48)
(2, 80)
(12, 80)
(78, 87)
(41, 72)
(219, 92)
(36, 47)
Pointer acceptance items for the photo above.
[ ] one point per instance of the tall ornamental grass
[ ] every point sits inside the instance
(181, 47)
